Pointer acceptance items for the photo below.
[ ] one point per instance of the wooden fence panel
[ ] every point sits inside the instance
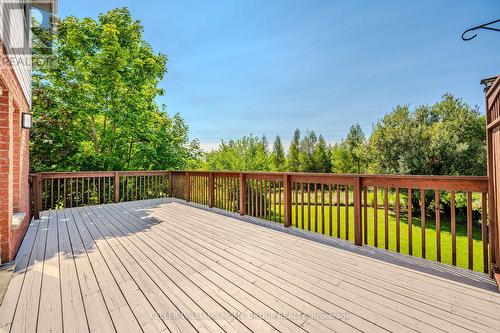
(493, 146)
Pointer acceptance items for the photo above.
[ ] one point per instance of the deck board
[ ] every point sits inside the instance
(435, 314)
(164, 265)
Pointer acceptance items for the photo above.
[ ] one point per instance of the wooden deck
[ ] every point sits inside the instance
(163, 265)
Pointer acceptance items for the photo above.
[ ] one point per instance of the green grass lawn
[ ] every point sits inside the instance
(430, 232)
(309, 223)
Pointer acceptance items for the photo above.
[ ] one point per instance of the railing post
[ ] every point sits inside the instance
(358, 238)
(210, 189)
(288, 199)
(243, 195)
(117, 186)
(37, 196)
(188, 187)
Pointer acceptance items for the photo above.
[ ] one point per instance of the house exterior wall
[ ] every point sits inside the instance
(15, 37)
(14, 160)
(15, 99)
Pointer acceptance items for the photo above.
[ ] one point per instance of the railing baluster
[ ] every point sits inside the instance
(37, 192)
(287, 201)
(315, 208)
(410, 224)
(438, 226)
(302, 209)
(280, 203)
(64, 193)
(83, 192)
(347, 212)
(422, 221)
(386, 220)
(262, 201)
(71, 192)
(322, 209)
(104, 190)
(365, 214)
(270, 203)
(309, 206)
(242, 194)
(469, 231)
(453, 229)
(375, 216)
(338, 210)
(484, 231)
(225, 193)
(76, 192)
(295, 186)
(358, 235)
(44, 192)
(149, 187)
(254, 197)
(330, 210)
(398, 221)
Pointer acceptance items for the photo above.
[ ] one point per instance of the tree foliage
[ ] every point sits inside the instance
(246, 154)
(446, 138)
(293, 157)
(278, 155)
(94, 103)
(351, 155)
(307, 148)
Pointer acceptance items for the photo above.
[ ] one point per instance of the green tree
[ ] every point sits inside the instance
(322, 156)
(94, 101)
(307, 149)
(293, 157)
(447, 138)
(341, 159)
(245, 154)
(351, 155)
(278, 156)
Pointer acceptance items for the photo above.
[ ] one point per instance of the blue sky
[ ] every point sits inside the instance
(268, 67)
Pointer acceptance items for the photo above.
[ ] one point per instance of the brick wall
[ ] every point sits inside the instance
(14, 160)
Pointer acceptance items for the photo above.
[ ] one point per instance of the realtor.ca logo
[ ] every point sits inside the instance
(22, 24)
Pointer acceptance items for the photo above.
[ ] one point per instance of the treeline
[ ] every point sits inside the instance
(446, 138)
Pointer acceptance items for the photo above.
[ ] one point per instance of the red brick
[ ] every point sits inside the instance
(14, 160)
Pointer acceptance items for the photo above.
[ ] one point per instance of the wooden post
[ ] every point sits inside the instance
(243, 195)
(117, 187)
(210, 190)
(37, 196)
(188, 187)
(170, 187)
(288, 200)
(358, 239)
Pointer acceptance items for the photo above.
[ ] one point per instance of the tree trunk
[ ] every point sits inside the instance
(95, 137)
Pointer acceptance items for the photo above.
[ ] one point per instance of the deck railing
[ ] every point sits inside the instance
(442, 218)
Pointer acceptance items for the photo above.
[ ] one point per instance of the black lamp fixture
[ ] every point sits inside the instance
(26, 120)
